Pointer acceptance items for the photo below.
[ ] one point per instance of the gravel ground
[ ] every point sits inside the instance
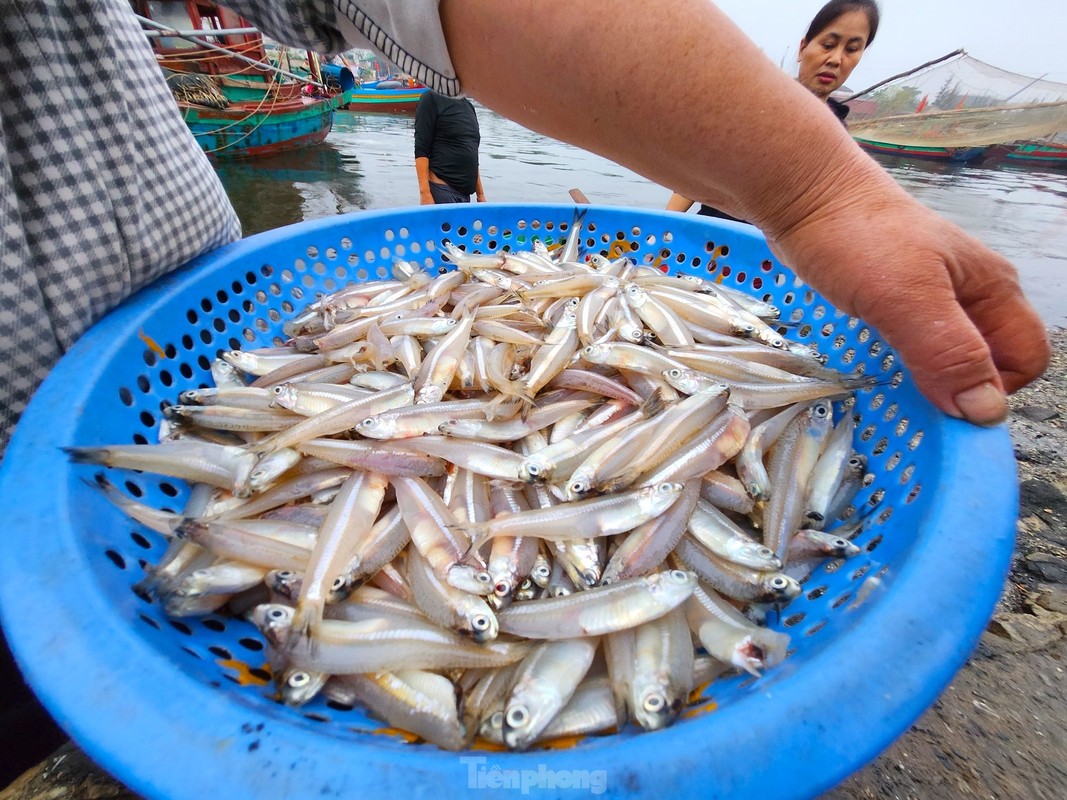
(998, 731)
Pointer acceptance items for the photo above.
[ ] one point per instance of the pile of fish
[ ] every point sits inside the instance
(536, 495)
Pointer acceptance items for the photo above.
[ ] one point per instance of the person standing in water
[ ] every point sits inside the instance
(446, 150)
(836, 40)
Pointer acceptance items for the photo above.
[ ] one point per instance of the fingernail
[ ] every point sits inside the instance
(983, 404)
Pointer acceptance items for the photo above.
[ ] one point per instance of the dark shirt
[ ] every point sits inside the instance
(446, 132)
(840, 111)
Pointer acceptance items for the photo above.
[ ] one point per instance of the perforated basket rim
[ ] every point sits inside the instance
(166, 734)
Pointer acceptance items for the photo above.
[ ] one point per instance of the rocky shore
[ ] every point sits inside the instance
(998, 731)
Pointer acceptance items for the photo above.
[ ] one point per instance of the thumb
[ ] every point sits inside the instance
(947, 353)
(947, 356)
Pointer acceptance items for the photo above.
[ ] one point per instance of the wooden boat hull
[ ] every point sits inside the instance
(369, 99)
(248, 130)
(958, 155)
(1026, 154)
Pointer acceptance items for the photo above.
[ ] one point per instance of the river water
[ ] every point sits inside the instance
(367, 162)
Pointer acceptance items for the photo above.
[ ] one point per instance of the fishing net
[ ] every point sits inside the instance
(960, 102)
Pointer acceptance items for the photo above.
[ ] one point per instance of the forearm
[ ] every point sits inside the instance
(479, 192)
(740, 127)
(678, 202)
(422, 172)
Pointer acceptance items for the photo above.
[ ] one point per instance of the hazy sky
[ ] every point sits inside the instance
(1026, 36)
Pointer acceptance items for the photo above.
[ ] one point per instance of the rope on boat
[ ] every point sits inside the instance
(233, 54)
(274, 102)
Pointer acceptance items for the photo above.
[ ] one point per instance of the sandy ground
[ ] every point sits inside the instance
(998, 731)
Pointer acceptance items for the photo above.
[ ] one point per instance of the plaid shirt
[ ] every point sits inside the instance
(103, 188)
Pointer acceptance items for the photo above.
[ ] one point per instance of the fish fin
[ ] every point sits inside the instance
(654, 405)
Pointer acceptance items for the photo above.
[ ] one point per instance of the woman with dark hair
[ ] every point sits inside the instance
(835, 42)
(833, 46)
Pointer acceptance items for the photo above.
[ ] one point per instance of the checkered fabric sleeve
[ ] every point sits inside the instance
(407, 32)
(102, 186)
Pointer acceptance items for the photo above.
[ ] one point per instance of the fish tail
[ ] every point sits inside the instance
(88, 455)
(852, 382)
(478, 536)
(149, 586)
(305, 627)
(189, 529)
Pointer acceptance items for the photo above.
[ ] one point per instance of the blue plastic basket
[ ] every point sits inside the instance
(167, 706)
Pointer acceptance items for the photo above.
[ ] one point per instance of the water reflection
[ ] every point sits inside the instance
(1019, 213)
(290, 187)
(368, 162)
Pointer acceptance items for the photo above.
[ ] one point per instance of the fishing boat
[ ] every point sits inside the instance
(1033, 154)
(389, 96)
(956, 155)
(236, 102)
(958, 109)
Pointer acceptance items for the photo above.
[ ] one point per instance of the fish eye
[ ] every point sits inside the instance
(821, 410)
(483, 577)
(480, 622)
(577, 487)
(497, 720)
(778, 582)
(276, 613)
(840, 543)
(654, 703)
(765, 552)
(778, 343)
(678, 576)
(503, 588)
(541, 570)
(286, 574)
(674, 372)
(278, 389)
(299, 679)
(855, 461)
(516, 716)
(338, 582)
(533, 469)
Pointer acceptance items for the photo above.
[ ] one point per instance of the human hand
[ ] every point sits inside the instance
(426, 199)
(949, 306)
